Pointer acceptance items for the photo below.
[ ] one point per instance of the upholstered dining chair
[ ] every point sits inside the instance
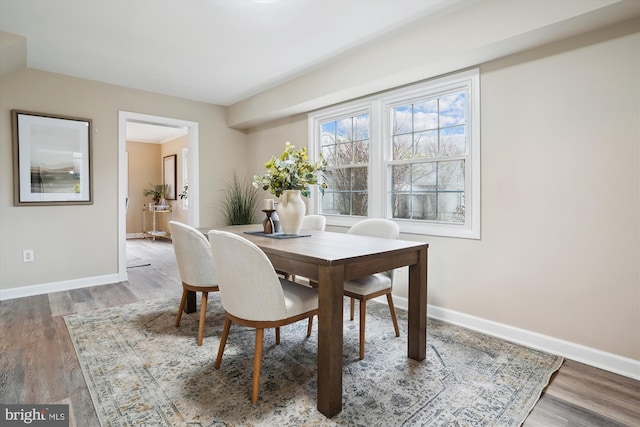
(195, 264)
(375, 285)
(254, 296)
(314, 222)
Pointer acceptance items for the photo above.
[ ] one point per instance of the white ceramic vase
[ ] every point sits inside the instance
(291, 211)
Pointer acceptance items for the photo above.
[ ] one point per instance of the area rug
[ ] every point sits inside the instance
(143, 371)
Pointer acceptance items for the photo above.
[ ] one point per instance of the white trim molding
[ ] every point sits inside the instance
(193, 214)
(577, 352)
(47, 288)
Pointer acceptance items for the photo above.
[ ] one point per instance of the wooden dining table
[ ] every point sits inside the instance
(329, 259)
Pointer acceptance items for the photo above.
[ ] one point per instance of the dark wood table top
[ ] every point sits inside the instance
(324, 247)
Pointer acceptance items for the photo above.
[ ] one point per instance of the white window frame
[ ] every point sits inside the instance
(377, 106)
(352, 109)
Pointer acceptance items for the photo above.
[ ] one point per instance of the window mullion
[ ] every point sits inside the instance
(377, 177)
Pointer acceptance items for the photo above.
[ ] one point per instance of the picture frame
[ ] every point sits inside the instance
(52, 159)
(169, 173)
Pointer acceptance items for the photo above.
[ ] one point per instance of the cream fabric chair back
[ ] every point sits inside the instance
(193, 255)
(314, 222)
(377, 227)
(249, 286)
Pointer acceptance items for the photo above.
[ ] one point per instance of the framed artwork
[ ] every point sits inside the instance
(52, 162)
(169, 174)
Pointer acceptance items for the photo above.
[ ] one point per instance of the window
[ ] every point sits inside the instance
(411, 155)
(428, 156)
(344, 143)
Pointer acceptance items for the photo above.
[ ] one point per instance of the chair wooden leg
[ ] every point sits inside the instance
(277, 336)
(223, 342)
(310, 326)
(392, 309)
(203, 316)
(363, 316)
(183, 301)
(352, 306)
(257, 360)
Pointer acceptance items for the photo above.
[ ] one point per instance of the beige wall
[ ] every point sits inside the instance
(560, 195)
(79, 244)
(560, 245)
(144, 168)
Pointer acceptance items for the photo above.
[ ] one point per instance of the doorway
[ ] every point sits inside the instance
(193, 214)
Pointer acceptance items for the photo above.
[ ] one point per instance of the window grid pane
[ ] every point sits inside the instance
(429, 191)
(345, 147)
(434, 127)
(424, 186)
(347, 192)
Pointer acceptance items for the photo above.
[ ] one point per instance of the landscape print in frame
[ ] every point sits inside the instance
(52, 162)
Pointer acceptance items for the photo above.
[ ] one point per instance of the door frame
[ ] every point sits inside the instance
(193, 214)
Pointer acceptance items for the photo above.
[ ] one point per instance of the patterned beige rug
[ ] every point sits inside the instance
(142, 370)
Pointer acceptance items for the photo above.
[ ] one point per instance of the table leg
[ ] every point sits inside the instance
(417, 336)
(190, 306)
(330, 290)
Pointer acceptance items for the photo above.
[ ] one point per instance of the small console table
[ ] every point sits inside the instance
(155, 210)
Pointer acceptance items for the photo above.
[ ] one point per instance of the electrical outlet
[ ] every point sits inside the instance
(27, 255)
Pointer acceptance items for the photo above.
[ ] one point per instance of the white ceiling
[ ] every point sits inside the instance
(215, 51)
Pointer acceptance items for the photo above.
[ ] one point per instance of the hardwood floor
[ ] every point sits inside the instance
(581, 395)
(38, 363)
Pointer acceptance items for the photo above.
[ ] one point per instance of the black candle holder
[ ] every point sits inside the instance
(267, 224)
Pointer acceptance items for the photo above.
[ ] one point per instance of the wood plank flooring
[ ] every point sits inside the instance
(38, 363)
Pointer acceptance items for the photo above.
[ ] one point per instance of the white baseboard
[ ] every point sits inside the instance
(587, 355)
(45, 288)
(135, 236)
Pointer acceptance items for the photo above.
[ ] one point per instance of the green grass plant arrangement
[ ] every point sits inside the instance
(240, 201)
